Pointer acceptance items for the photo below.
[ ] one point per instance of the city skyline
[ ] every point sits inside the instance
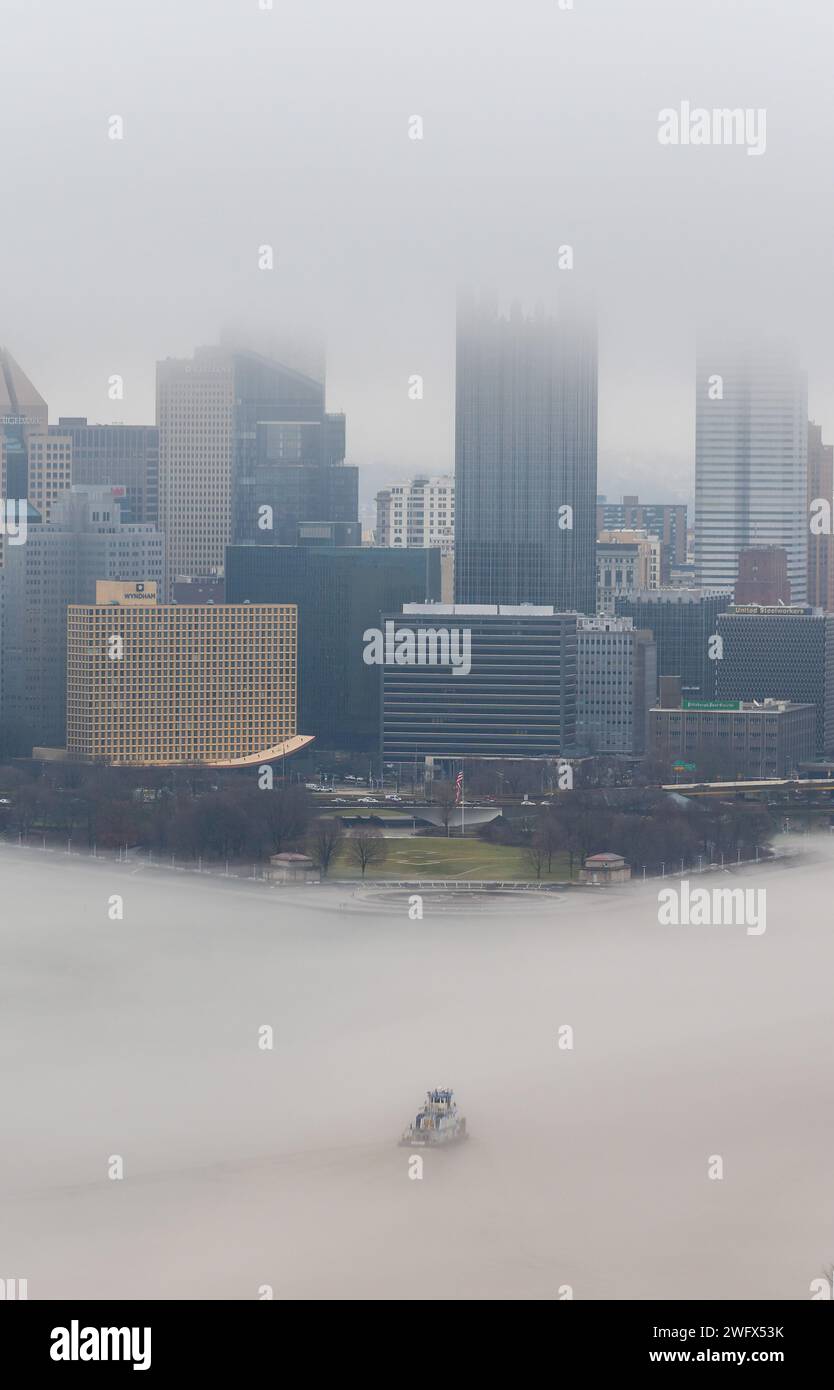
(668, 474)
(417, 669)
(643, 471)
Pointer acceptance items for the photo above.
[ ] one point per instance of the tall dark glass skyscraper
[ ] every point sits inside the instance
(340, 592)
(289, 454)
(525, 458)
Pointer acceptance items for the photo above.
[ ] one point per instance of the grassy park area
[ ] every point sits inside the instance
(451, 858)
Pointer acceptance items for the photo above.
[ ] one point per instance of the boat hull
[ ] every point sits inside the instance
(433, 1139)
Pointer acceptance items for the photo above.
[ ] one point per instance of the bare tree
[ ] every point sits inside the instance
(551, 836)
(366, 847)
(535, 855)
(323, 842)
(444, 796)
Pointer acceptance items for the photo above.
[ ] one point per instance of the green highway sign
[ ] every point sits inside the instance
(711, 704)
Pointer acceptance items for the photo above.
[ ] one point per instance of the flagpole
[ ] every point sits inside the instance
(462, 808)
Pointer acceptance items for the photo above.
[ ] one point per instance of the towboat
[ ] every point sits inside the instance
(438, 1123)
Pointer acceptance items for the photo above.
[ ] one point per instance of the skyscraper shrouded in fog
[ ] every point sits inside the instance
(525, 458)
(246, 452)
(751, 460)
(35, 462)
(23, 411)
(194, 414)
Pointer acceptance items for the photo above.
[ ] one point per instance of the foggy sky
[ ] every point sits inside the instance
(290, 127)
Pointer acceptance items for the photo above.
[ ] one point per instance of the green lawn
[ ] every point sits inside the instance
(451, 858)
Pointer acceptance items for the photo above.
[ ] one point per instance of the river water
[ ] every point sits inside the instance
(248, 1168)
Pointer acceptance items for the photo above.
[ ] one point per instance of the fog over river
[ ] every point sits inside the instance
(243, 1167)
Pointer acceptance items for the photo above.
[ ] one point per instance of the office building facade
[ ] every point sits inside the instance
(420, 513)
(682, 622)
(751, 461)
(296, 476)
(616, 686)
(124, 456)
(191, 589)
(525, 459)
(59, 565)
(23, 411)
(820, 538)
(667, 521)
(246, 451)
(195, 417)
(517, 699)
(340, 593)
(627, 562)
(210, 685)
(763, 576)
(735, 739)
(780, 653)
(50, 470)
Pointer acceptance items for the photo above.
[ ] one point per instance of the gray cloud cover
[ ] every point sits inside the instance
(290, 127)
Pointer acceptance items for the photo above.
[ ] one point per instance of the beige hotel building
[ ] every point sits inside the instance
(153, 684)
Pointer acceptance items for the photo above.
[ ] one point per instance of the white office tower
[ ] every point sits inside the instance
(419, 513)
(751, 460)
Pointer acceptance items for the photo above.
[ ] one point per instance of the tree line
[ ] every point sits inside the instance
(647, 827)
(184, 813)
(192, 813)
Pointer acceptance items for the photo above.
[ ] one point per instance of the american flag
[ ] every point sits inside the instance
(458, 788)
